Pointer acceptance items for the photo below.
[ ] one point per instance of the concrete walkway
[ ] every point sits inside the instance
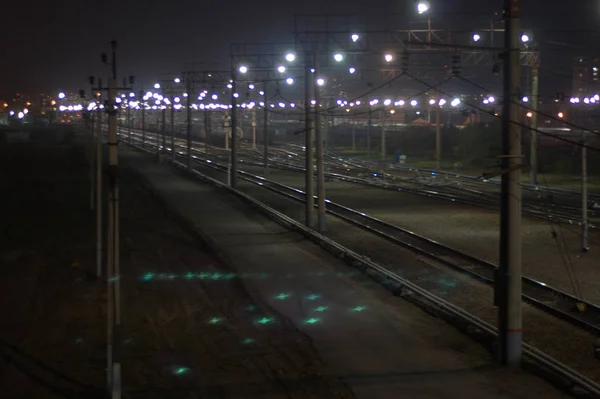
(378, 345)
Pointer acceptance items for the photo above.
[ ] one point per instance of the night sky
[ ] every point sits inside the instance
(50, 46)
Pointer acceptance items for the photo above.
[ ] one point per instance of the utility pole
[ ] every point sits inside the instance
(129, 121)
(319, 138)
(383, 134)
(188, 128)
(535, 80)
(234, 122)
(143, 106)
(354, 136)
(91, 160)
(173, 130)
(99, 156)
(308, 144)
(266, 131)
(438, 138)
(584, 194)
(370, 123)
(113, 269)
(253, 128)
(164, 126)
(509, 274)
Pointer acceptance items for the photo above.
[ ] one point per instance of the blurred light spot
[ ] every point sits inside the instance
(215, 320)
(247, 341)
(180, 370)
(265, 320)
(148, 276)
(321, 308)
(282, 296)
(359, 308)
(312, 320)
(313, 297)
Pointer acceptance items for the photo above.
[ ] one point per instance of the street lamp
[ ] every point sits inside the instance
(157, 86)
(355, 37)
(321, 82)
(442, 102)
(388, 58)
(351, 70)
(281, 69)
(61, 95)
(455, 102)
(177, 80)
(414, 103)
(289, 81)
(338, 57)
(422, 7)
(290, 57)
(525, 99)
(476, 37)
(243, 69)
(525, 38)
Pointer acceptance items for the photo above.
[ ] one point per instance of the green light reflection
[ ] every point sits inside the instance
(312, 320)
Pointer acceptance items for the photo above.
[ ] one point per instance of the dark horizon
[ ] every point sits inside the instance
(48, 48)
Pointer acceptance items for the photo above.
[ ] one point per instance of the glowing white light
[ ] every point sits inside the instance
(281, 69)
(321, 82)
(525, 99)
(289, 81)
(122, 95)
(486, 101)
(262, 93)
(12, 113)
(157, 86)
(21, 115)
(236, 95)
(214, 97)
(476, 37)
(312, 70)
(351, 70)
(281, 105)
(177, 99)
(290, 57)
(131, 95)
(251, 87)
(157, 102)
(525, 38)
(561, 115)
(422, 7)
(313, 102)
(292, 105)
(597, 97)
(442, 102)
(387, 102)
(118, 100)
(149, 94)
(229, 86)
(70, 108)
(431, 102)
(338, 57)
(354, 37)
(177, 80)
(414, 103)
(388, 58)
(243, 69)
(455, 102)
(185, 95)
(491, 99)
(358, 102)
(586, 100)
(261, 103)
(62, 108)
(61, 95)
(25, 111)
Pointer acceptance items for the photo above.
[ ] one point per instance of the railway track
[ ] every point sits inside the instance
(536, 293)
(546, 298)
(537, 204)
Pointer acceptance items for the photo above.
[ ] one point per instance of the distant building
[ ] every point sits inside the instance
(586, 76)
